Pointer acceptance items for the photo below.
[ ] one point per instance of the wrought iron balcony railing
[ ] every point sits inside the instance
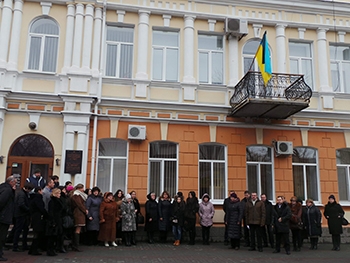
(284, 87)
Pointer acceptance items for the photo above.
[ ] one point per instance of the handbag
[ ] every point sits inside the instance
(140, 219)
(344, 222)
(67, 222)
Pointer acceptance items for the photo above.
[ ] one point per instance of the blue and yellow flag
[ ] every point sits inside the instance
(264, 59)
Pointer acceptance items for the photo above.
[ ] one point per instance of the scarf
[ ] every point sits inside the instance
(82, 194)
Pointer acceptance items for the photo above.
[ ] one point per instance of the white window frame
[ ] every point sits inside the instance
(347, 168)
(339, 63)
(112, 158)
(300, 59)
(210, 52)
(213, 200)
(118, 44)
(304, 165)
(271, 197)
(42, 47)
(162, 161)
(164, 62)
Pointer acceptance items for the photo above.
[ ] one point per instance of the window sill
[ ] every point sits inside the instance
(345, 203)
(39, 72)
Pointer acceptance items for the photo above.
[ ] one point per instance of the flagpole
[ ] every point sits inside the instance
(256, 52)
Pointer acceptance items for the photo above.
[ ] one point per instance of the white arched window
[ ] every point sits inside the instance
(43, 45)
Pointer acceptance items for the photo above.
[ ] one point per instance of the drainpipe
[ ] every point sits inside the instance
(99, 94)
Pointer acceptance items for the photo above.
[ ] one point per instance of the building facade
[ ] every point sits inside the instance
(81, 77)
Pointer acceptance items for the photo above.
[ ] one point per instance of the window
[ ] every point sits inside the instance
(260, 170)
(212, 170)
(112, 164)
(119, 51)
(305, 173)
(211, 59)
(300, 59)
(163, 167)
(165, 55)
(340, 68)
(249, 52)
(343, 168)
(43, 45)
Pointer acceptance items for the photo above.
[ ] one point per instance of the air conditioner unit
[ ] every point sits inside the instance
(284, 148)
(137, 132)
(236, 27)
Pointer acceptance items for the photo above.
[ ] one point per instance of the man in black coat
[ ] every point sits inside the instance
(7, 196)
(268, 221)
(36, 179)
(224, 207)
(281, 217)
(22, 216)
(245, 227)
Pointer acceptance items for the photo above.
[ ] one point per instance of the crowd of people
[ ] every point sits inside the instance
(58, 213)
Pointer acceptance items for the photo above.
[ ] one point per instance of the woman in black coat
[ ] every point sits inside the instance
(54, 228)
(233, 217)
(334, 214)
(137, 211)
(151, 221)
(164, 213)
(39, 216)
(177, 218)
(191, 210)
(312, 222)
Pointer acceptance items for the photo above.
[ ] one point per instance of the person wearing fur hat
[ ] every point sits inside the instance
(295, 222)
(128, 214)
(233, 220)
(151, 222)
(334, 213)
(206, 213)
(108, 218)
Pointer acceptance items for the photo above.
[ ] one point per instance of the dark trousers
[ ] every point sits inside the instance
(246, 234)
(235, 243)
(226, 234)
(336, 241)
(21, 224)
(267, 231)
(37, 242)
(191, 227)
(206, 234)
(285, 237)
(3, 233)
(296, 236)
(255, 230)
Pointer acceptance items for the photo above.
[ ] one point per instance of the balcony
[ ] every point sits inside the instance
(285, 95)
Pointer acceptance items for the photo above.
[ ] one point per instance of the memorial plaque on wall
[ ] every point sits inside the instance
(72, 164)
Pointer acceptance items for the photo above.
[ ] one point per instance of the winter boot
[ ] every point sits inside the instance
(75, 243)
(133, 238)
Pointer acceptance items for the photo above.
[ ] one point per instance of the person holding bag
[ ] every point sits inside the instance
(295, 223)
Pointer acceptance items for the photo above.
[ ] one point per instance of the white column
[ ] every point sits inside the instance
(97, 41)
(15, 35)
(82, 145)
(69, 38)
(142, 45)
(5, 31)
(78, 33)
(322, 60)
(88, 28)
(233, 60)
(189, 50)
(281, 48)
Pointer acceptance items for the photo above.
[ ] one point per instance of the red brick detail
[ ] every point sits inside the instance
(164, 115)
(115, 112)
(326, 124)
(139, 114)
(345, 125)
(211, 118)
(304, 123)
(36, 107)
(187, 117)
(57, 108)
(13, 106)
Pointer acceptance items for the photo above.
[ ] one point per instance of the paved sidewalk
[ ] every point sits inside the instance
(167, 253)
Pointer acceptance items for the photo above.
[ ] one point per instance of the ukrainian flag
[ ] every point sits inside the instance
(264, 60)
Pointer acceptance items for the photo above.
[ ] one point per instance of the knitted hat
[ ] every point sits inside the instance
(127, 196)
(69, 188)
(234, 195)
(331, 196)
